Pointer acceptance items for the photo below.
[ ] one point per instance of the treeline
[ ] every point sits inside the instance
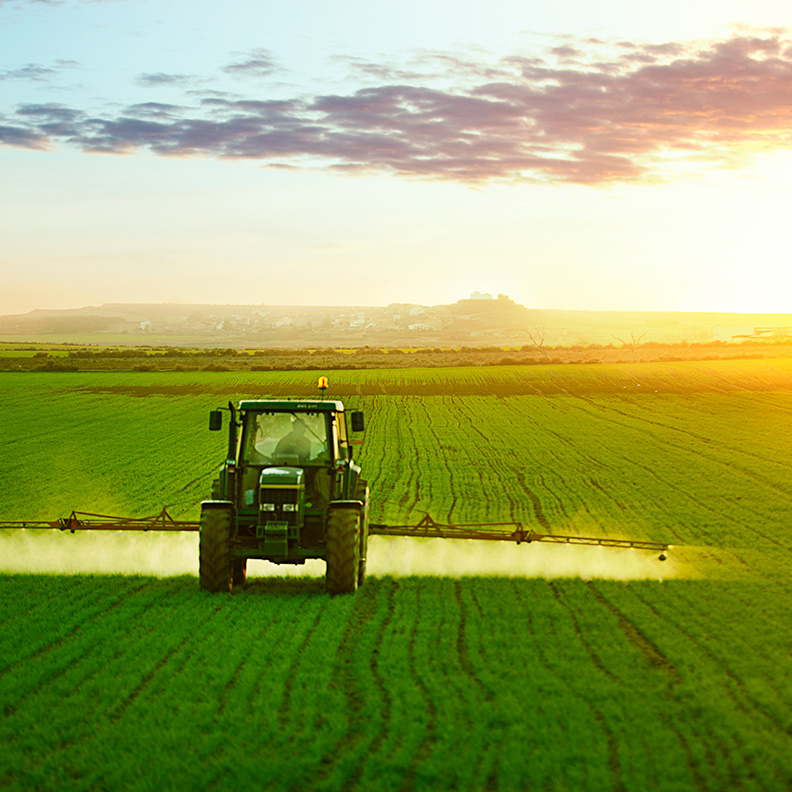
(63, 358)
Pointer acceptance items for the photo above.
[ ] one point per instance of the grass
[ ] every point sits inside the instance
(418, 682)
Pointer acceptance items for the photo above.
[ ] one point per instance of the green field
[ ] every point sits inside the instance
(458, 665)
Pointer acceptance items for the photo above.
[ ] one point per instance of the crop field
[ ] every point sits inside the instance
(459, 665)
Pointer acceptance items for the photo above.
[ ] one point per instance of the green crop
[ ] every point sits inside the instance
(417, 682)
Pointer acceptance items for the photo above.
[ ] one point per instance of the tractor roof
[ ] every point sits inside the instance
(295, 405)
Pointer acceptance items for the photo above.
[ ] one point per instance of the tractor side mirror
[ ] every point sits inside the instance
(215, 420)
(358, 424)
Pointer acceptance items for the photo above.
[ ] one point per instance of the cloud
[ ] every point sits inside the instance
(22, 137)
(159, 78)
(37, 72)
(32, 71)
(584, 112)
(257, 63)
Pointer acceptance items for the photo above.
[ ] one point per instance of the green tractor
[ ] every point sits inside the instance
(288, 491)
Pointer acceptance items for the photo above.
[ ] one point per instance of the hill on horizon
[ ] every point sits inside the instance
(474, 321)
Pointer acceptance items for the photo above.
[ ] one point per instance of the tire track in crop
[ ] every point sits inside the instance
(539, 515)
(435, 441)
(722, 749)
(203, 477)
(288, 689)
(489, 693)
(694, 448)
(700, 440)
(63, 640)
(745, 703)
(107, 713)
(576, 461)
(473, 475)
(612, 744)
(424, 748)
(119, 711)
(360, 739)
(638, 639)
(462, 650)
(595, 658)
(564, 601)
(498, 457)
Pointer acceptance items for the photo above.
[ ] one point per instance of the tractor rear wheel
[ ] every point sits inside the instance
(343, 550)
(214, 560)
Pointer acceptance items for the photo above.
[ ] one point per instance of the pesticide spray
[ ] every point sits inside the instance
(164, 554)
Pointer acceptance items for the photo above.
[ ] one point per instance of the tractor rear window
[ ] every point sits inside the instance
(286, 439)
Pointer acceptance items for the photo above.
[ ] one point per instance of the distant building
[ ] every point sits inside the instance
(480, 296)
(744, 333)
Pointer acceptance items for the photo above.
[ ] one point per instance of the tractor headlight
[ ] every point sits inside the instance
(268, 507)
(290, 507)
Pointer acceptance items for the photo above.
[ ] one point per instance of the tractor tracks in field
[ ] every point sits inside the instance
(424, 748)
(60, 642)
(691, 443)
(368, 705)
(596, 660)
(742, 698)
(711, 743)
(111, 713)
(611, 741)
(653, 656)
(489, 762)
(151, 629)
(288, 688)
(651, 653)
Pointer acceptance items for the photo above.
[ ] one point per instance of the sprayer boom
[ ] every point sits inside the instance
(85, 521)
(503, 532)
(427, 528)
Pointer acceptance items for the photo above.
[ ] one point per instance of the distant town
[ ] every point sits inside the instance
(479, 319)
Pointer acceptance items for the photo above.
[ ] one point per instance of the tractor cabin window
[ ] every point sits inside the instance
(283, 438)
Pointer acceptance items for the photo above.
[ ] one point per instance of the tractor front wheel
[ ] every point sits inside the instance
(214, 560)
(343, 550)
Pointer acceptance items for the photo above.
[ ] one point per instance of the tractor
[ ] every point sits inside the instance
(289, 490)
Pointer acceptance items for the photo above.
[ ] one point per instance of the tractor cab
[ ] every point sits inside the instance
(309, 439)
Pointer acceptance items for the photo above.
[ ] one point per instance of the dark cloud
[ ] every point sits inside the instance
(257, 63)
(590, 120)
(22, 137)
(32, 71)
(158, 78)
(154, 110)
(35, 71)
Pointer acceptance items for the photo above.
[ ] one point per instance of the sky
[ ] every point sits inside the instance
(618, 155)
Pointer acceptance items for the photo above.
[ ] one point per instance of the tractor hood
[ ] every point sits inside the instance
(282, 477)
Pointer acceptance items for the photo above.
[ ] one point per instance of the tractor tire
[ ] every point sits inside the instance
(239, 571)
(343, 551)
(214, 560)
(362, 494)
